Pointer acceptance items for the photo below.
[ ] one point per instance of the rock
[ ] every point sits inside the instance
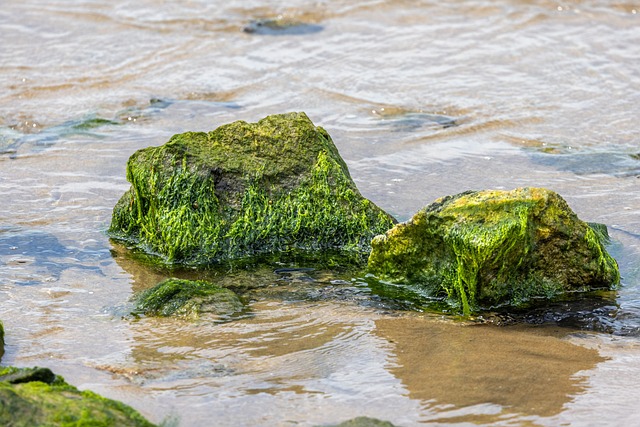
(490, 248)
(364, 422)
(27, 375)
(187, 298)
(281, 25)
(37, 397)
(245, 189)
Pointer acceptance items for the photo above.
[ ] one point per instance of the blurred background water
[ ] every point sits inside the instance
(422, 98)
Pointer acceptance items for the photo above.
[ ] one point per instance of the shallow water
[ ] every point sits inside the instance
(423, 99)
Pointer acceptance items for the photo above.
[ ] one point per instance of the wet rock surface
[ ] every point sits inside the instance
(38, 397)
(278, 186)
(187, 299)
(478, 250)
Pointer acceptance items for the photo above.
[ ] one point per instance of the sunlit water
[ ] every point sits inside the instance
(422, 98)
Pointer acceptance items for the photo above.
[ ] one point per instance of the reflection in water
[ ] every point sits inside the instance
(287, 364)
(297, 350)
(523, 370)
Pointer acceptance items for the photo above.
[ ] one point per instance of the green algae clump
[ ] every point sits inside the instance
(37, 397)
(188, 299)
(485, 249)
(243, 190)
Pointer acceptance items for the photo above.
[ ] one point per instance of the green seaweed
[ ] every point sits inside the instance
(243, 190)
(55, 403)
(490, 248)
(26, 375)
(188, 299)
(364, 422)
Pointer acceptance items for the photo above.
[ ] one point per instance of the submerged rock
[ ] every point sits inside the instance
(364, 422)
(37, 397)
(490, 248)
(281, 25)
(187, 298)
(245, 189)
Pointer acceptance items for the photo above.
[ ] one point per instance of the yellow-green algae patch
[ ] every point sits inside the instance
(188, 299)
(245, 189)
(37, 397)
(490, 248)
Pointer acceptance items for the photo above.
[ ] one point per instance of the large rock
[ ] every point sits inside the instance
(245, 189)
(490, 248)
(37, 397)
(188, 299)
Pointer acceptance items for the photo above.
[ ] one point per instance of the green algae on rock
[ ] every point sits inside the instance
(37, 397)
(490, 248)
(187, 298)
(245, 189)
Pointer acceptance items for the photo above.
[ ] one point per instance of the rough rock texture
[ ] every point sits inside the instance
(187, 298)
(37, 397)
(490, 248)
(245, 189)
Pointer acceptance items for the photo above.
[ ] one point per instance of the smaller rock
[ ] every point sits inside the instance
(486, 249)
(187, 298)
(37, 397)
(281, 25)
(364, 422)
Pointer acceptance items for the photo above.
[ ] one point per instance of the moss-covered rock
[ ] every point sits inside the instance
(245, 189)
(37, 397)
(187, 298)
(489, 248)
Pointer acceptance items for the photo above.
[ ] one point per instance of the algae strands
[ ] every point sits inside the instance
(37, 397)
(242, 190)
(188, 299)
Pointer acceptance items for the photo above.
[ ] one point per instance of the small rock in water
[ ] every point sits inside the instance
(38, 397)
(187, 298)
(364, 422)
(281, 25)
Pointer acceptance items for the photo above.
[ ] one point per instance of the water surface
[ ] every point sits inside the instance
(423, 99)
